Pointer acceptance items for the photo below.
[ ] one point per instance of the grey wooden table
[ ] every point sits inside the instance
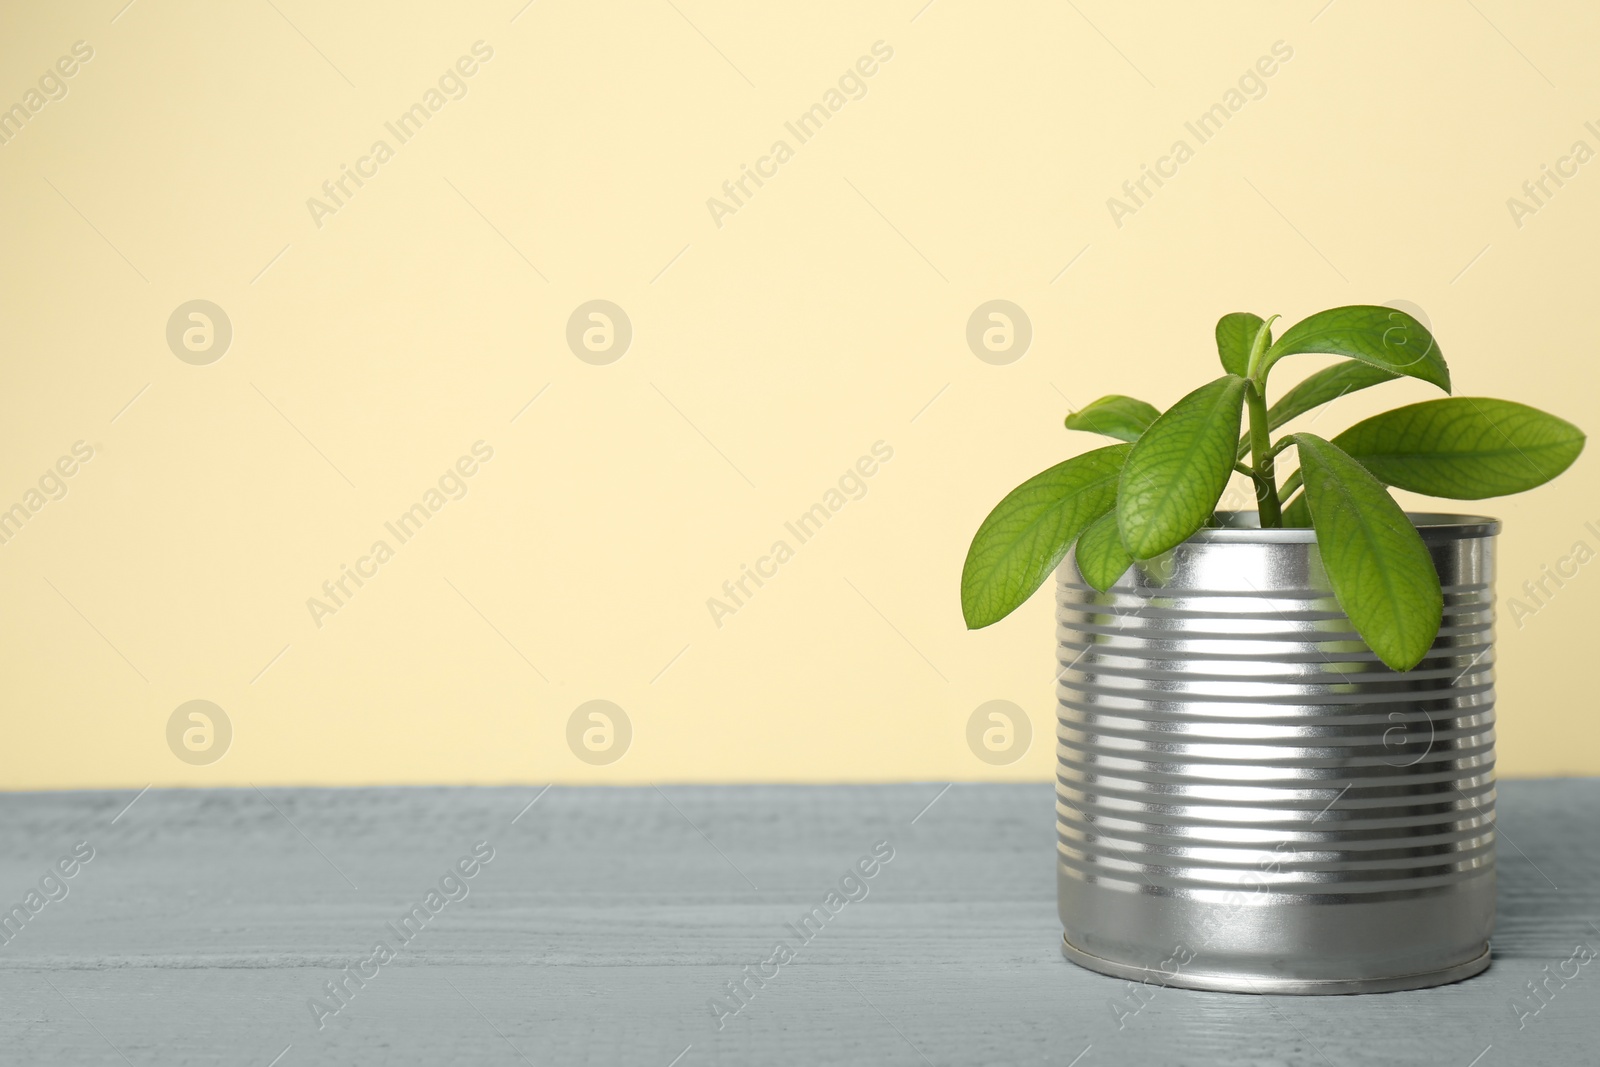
(608, 924)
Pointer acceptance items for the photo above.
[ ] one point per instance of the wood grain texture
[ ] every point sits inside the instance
(608, 918)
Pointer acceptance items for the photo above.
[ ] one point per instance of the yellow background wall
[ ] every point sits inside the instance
(376, 340)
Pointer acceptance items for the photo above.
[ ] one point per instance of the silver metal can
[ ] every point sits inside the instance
(1247, 799)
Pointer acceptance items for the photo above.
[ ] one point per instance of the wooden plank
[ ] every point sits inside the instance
(608, 919)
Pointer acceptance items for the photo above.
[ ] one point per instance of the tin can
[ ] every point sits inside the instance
(1247, 799)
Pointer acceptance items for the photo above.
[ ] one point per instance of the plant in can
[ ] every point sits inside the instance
(1137, 500)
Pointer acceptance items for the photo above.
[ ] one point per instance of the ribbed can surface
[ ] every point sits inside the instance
(1247, 798)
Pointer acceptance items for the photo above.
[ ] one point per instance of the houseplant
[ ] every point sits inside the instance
(1275, 730)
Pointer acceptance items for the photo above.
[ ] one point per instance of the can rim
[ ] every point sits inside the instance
(1434, 526)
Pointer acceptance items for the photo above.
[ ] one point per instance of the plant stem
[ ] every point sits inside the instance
(1290, 484)
(1261, 454)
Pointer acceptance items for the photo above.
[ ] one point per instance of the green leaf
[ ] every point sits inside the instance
(1325, 386)
(1464, 448)
(1178, 469)
(1380, 570)
(1121, 417)
(1381, 336)
(1100, 555)
(1236, 332)
(1028, 532)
